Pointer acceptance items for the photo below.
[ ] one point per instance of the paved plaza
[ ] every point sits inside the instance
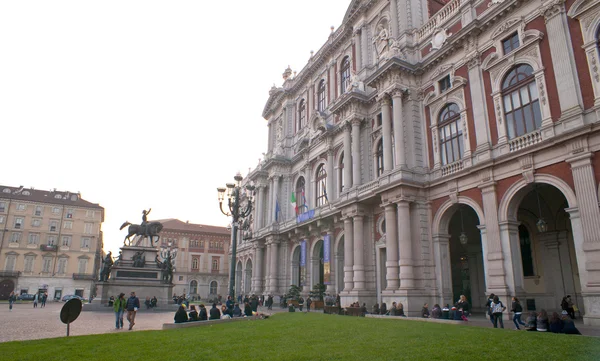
(26, 323)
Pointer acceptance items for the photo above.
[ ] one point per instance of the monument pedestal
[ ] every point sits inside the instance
(145, 278)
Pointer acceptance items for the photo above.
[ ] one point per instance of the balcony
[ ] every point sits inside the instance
(9, 273)
(439, 19)
(452, 168)
(83, 276)
(525, 141)
(48, 248)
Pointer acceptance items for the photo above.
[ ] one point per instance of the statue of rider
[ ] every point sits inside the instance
(145, 214)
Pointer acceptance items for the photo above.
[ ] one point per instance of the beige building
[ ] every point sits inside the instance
(49, 240)
(202, 264)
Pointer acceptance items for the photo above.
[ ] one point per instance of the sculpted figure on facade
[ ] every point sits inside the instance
(381, 40)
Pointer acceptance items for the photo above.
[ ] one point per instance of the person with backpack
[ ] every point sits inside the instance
(497, 307)
(489, 308)
(517, 310)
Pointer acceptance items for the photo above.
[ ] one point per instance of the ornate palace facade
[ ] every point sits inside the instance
(435, 148)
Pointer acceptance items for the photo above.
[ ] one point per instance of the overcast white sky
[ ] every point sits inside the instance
(140, 104)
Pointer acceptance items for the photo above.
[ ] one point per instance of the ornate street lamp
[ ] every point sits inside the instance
(463, 236)
(541, 225)
(234, 194)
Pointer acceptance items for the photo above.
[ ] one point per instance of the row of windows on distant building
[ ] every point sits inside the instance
(38, 210)
(19, 223)
(72, 197)
(50, 240)
(195, 243)
(29, 263)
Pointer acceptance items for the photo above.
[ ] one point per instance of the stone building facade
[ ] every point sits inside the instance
(201, 265)
(433, 149)
(49, 241)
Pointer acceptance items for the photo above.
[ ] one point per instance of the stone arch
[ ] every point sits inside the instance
(435, 112)
(508, 206)
(441, 219)
(504, 70)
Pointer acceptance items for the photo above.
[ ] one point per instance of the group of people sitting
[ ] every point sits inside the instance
(226, 312)
(557, 324)
(397, 309)
(150, 302)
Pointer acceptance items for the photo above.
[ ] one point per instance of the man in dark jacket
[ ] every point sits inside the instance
(203, 316)
(254, 303)
(215, 314)
(229, 303)
(133, 303)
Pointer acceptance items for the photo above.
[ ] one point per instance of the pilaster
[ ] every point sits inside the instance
(405, 246)
(398, 128)
(387, 132)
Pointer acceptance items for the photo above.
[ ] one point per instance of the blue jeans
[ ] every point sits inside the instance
(119, 319)
(10, 303)
(498, 319)
(517, 320)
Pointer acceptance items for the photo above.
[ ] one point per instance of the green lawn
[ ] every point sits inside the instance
(313, 336)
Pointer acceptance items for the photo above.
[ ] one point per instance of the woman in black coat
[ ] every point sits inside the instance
(247, 310)
(181, 316)
(203, 314)
(215, 314)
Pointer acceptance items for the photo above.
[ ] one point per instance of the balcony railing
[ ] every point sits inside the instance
(48, 248)
(9, 273)
(525, 141)
(452, 168)
(83, 276)
(438, 19)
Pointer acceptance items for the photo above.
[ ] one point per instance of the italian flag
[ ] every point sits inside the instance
(293, 201)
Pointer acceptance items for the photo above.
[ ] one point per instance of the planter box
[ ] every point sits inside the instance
(317, 305)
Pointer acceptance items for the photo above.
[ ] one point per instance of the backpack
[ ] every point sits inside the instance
(497, 307)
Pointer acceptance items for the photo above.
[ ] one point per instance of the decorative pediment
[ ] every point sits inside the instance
(458, 81)
(531, 35)
(581, 6)
(489, 59)
(504, 27)
(429, 97)
(441, 70)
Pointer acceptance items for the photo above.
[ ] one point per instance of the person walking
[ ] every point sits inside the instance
(517, 310)
(308, 303)
(133, 303)
(497, 308)
(44, 298)
(488, 307)
(35, 300)
(119, 308)
(11, 299)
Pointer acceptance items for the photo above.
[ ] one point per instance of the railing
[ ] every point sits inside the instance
(9, 273)
(452, 168)
(367, 186)
(83, 276)
(525, 141)
(438, 19)
(48, 248)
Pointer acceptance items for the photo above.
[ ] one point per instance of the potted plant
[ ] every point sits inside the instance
(317, 294)
(293, 295)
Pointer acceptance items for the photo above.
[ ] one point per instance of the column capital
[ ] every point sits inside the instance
(384, 99)
(552, 8)
(398, 92)
(580, 160)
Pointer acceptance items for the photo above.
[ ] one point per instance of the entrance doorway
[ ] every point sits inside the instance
(6, 287)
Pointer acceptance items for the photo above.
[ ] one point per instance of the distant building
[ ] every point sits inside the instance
(49, 241)
(201, 266)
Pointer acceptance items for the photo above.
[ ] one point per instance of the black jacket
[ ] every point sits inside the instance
(215, 314)
(203, 314)
(132, 302)
(180, 316)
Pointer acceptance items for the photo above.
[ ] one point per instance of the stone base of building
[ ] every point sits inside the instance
(591, 304)
(363, 296)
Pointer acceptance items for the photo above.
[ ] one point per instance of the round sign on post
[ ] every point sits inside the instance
(70, 312)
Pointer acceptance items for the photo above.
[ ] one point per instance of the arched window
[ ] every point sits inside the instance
(213, 288)
(321, 185)
(345, 75)
(301, 115)
(341, 172)
(451, 138)
(526, 252)
(321, 96)
(379, 157)
(299, 202)
(521, 103)
(194, 287)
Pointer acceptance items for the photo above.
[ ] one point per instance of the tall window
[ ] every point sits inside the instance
(215, 264)
(85, 242)
(62, 266)
(10, 263)
(15, 237)
(82, 267)
(526, 252)
(51, 240)
(521, 103)
(195, 263)
(445, 84)
(34, 238)
(29, 263)
(451, 138)
(213, 288)
(300, 196)
(321, 186)
(379, 157)
(341, 172)
(301, 115)
(66, 241)
(321, 96)
(511, 43)
(46, 264)
(194, 287)
(38, 210)
(345, 75)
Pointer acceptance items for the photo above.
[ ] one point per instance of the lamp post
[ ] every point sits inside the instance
(238, 212)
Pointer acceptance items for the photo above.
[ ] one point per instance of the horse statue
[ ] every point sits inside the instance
(149, 230)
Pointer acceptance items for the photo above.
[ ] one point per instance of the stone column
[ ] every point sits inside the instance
(391, 245)
(511, 245)
(398, 128)
(258, 209)
(386, 126)
(563, 60)
(357, 42)
(347, 158)
(364, 47)
(330, 175)
(480, 119)
(331, 81)
(332, 274)
(443, 270)
(589, 213)
(308, 187)
(359, 267)
(275, 196)
(259, 252)
(405, 246)
(394, 16)
(356, 152)
(495, 282)
(553, 277)
(273, 268)
(348, 254)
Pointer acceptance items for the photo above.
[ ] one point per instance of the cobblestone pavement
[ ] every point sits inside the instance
(27, 323)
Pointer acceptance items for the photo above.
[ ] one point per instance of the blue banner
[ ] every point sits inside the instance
(327, 259)
(305, 216)
(302, 262)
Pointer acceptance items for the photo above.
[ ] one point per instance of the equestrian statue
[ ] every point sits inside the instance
(145, 230)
